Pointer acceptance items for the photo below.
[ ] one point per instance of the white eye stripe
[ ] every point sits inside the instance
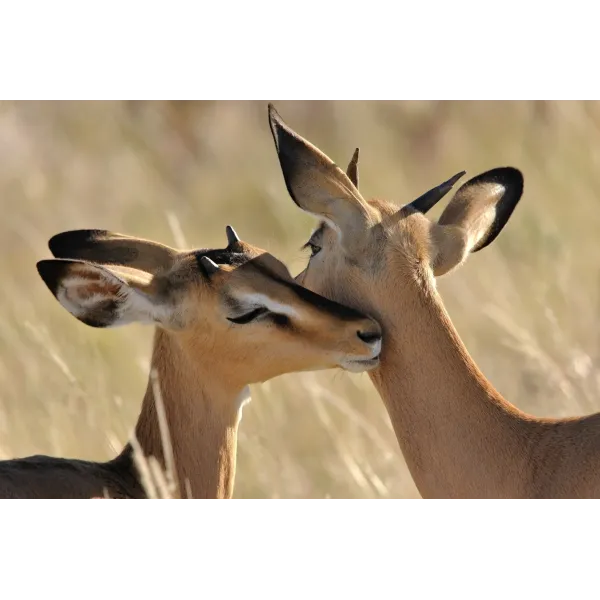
(260, 300)
(329, 222)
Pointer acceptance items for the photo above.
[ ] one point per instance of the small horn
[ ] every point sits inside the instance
(429, 199)
(232, 236)
(210, 266)
(352, 170)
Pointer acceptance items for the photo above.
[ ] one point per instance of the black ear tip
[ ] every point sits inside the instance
(511, 173)
(41, 266)
(57, 243)
(280, 130)
(274, 125)
(63, 245)
(274, 118)
(510, 177)
(516, 175)
(50, 271)
(45, 267)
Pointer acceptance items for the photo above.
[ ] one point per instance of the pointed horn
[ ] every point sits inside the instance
(352, 170)
(429, 199)
(210, 266)
(232, 236)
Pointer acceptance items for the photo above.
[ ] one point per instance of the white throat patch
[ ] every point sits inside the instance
(241, 401)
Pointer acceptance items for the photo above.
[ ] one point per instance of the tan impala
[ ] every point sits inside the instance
(459, 436)
(225, 319)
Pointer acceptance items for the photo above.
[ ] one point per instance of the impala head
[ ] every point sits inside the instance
(363, 249)
(238, 304)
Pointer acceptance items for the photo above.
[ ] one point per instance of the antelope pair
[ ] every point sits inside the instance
(240, 306)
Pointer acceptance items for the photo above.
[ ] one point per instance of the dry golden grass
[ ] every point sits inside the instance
(526, 307)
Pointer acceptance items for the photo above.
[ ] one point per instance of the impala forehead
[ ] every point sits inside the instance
(268, 263)
(255, 283)
(394, 222)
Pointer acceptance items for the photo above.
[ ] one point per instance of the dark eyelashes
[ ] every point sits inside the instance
(310, 245)
(279, 319)
(248, 316)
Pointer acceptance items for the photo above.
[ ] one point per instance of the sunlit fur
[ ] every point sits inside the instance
(204, 361)
(459, 436)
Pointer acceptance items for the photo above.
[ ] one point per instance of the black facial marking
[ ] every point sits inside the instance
(339, 310)
(248, 316)
(280, 320)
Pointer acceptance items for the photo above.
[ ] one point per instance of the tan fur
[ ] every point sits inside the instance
(203, 362)
(460, 437)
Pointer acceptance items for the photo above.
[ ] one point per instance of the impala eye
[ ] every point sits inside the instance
(248, 317)
(314, 248)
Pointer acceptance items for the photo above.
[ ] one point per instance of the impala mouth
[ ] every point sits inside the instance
(358, 365)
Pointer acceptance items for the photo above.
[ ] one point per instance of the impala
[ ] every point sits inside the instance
(459, 436)
(224, 319)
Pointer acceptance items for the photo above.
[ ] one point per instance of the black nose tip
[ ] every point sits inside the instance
(369, 337)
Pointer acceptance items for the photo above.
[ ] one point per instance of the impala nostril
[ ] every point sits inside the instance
(369, 337)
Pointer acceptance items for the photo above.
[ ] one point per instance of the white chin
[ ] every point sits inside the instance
(359, 366)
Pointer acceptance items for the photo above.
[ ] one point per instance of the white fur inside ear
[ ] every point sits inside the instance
(135, 307)
(448, 248)
(85, 292)
(481, 225)
(72, 295)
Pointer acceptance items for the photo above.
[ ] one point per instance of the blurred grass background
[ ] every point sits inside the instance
(527, 307)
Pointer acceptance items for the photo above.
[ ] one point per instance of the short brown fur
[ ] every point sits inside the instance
(459, 436)
(203, 361)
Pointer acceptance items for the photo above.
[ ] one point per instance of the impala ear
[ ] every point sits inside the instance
(99, 297)
(475, 217)
(317, 185)
(108, 248)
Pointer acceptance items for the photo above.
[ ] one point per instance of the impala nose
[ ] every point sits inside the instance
(369, 337)
(370, 334)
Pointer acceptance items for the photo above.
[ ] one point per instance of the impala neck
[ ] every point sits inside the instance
(459, 437)
(202, 412)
